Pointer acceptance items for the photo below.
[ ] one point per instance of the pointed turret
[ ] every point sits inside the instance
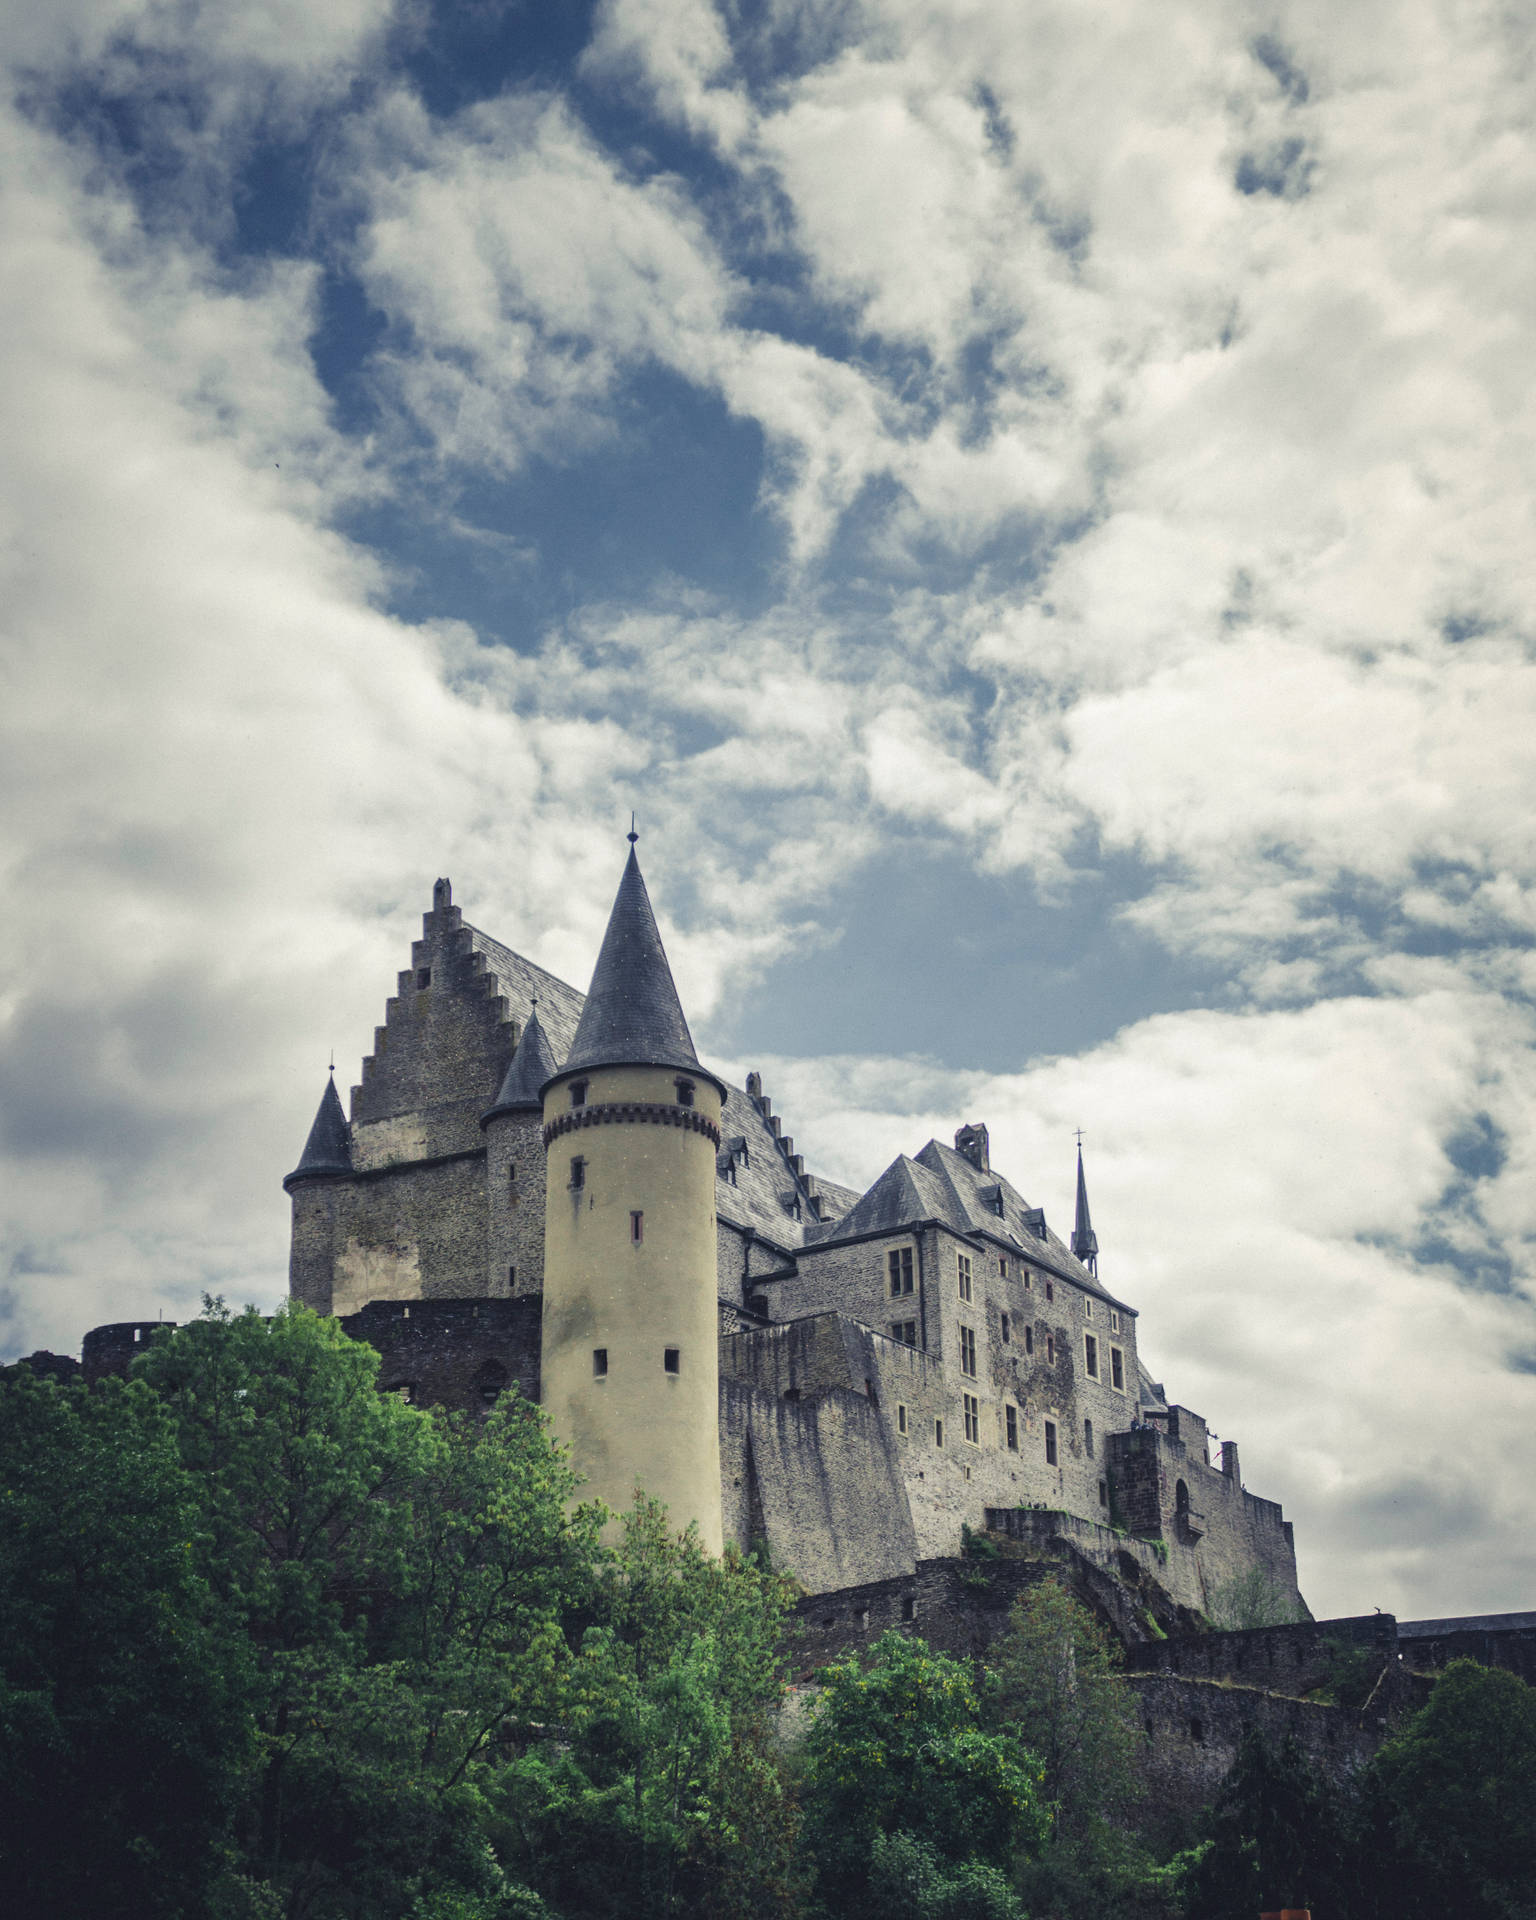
(1085, 1242)
(632, 1015)
(328, 1150)
(532, 1067)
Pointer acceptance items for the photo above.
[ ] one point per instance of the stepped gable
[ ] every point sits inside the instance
(521, 983)
(448, 1032)
(328, 1150)
(632, 1015)
(533, 1067)
(763, 1183)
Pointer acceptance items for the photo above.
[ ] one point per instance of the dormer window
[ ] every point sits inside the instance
(684, 1093)
(578, 1093)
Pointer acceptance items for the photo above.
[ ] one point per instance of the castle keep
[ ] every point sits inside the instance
(541, 1187)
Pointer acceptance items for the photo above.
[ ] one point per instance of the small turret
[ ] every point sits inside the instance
(328, 1150)
(531, 1068)
(1085, 1242)
(514, 1166)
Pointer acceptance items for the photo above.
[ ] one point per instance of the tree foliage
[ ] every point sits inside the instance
(897, 1744)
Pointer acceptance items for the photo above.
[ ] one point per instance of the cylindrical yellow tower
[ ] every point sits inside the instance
(630, 1365)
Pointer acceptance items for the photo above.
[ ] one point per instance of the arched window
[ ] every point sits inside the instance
(1181, 1504)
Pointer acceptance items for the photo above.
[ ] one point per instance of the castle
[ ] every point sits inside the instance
(546, 1188)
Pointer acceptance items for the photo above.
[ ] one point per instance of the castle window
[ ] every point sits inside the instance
(1029, 1281)
(938, 1433)
(968, 1351)
(1088, 1438)
(578, 1173)
(899, 1265)
(511, 1277)
(671, 1360)
(909, 1608)
(578, 1093)
(1087, 1307)
(423, 978)
(404, 1391)
(901, 1418)
(1002, 1267)
(1117, 1369)
(1103, 1493)
(965, 1275)
(905, 1331)
(1029, 1338)
(511, 1186)
(600, 1363)
(1114, 1321)
(1050, 1289)
(1197, 1732)
(491, 1382)
(684, 1093)
(1011, 1422)
(1050, 1349)
(1005, 1329)
(972, 1411)
(1050, 1443)
(636, 1229)
(1091, 1356)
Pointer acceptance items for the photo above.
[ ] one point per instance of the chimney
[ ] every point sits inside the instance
(971, 1143)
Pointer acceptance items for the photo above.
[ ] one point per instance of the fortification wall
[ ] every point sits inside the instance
(1285, 1659)
(1505, 1640)
(461, 1354)
(114, 1348)
(818, 1481)
(1162, 1486)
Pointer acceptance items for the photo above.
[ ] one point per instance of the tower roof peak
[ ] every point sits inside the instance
(530, 1069)
(1085, 1242)
(328, 1150)
(632, 1015)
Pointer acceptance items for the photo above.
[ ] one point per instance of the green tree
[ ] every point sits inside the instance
(1252, 1599)
(1450, 1815)
(896, 1745)
(661, 1793)
(400, 1578)
(1054, 1678)
(125, 1724)
(1277, 1837)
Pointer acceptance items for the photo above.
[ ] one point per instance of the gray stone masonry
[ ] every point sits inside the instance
(805, 1477)
(461, 1354)
(1163, 1487)
(1290, 1659)
(514, 1201)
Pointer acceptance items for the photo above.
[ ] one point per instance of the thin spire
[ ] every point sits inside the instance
(328, 1150)
(1085, 1242)
(531, 1067)
(632, 1015)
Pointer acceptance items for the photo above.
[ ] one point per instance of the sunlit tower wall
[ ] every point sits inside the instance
(630, 1318)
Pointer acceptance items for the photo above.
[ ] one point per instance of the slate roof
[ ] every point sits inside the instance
(762, 1195)
(529, 1071)
(632, 1015)
(522, 983)
(328, 1149)
(1085, 1242)
(943, 1185)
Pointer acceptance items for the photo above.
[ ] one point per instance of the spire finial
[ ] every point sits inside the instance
(1079, 1139)
(333, 1060)
(631, 836)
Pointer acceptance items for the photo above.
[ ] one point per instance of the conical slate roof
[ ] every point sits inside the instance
(1085, 1242)
(328, 1150)
(632, 1015)
(531, 1067)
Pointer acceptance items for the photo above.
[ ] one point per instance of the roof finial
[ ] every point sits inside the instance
(333, 1060)
(631, 836)
(1079, 1139)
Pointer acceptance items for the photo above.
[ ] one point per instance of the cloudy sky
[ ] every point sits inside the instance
(1031, 503)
